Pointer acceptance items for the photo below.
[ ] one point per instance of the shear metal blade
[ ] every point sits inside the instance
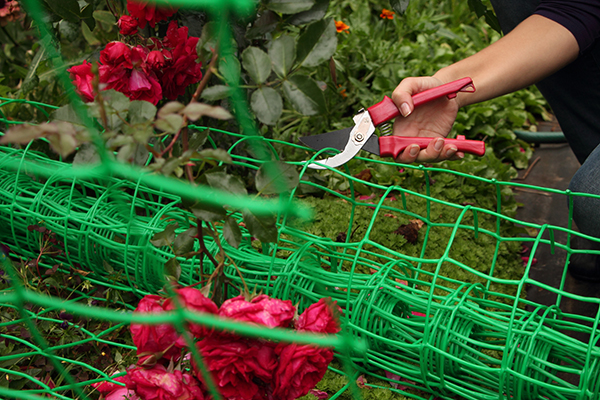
(338, 140)
(358, 136)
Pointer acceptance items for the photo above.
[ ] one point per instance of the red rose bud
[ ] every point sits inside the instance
(82, 77)
(156, 60)
(163, 339)
(127, 25)
(238, 366)
(158, 383)
(261, 310)
(300, 368)
(149, 14)
(193, 299)
(320, 317)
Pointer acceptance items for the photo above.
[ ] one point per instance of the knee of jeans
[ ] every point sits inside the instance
(586, 209)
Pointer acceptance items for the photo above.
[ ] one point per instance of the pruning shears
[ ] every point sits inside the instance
(361, 136)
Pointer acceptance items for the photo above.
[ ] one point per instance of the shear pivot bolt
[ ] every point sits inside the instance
(359, 137)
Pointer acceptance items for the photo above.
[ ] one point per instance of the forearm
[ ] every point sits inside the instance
(535, 49)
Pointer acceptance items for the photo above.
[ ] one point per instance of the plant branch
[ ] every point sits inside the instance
(209, 71)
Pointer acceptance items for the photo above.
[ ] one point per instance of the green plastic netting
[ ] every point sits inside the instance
(409, 319)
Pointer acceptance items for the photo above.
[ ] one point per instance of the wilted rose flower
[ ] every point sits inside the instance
(127, 25)
(180, 68)
(124, 69)
(82, 77)
(300, 368)
(148, 13)
(160, 384)
(153, 339)
(319, 317)
(194, 300)
(238, 366)
(261, 310)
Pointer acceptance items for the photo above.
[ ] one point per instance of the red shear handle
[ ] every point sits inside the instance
(392, 146)
(386, 109)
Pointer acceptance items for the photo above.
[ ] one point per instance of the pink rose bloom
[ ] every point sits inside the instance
(147, 13)
(127, 25)
(82, 77)
(155, 339)
(159, 384)
(112, 391)
(193, 299)
(300, 368)
(240, 368)
(261, 310)
(320, 318)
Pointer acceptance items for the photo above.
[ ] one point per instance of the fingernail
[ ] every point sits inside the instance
(439, 143)
(405, 109)
(451, 151)
(414, 150)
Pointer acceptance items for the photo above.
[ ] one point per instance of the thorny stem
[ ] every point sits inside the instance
(209, 71)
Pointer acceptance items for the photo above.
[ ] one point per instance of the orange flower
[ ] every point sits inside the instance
(341, 27)
(387, 14)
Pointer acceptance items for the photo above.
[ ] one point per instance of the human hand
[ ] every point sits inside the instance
(433, 119)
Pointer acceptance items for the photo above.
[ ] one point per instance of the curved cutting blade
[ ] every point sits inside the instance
(357, 137)
(338, 140)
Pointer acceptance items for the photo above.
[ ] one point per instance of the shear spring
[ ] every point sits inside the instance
(385, 129)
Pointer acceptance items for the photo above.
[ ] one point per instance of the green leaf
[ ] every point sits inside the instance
(316, 13)
(67, 9)
(276, 177)
(172, 107)
(87, 13)
(166, 237)
(197, 138)
(173, 269)
(184, 242)
(195, 111)
(225, 182)
(86, 154)
(22, 134)
(232, 232)
(263, 227)
(304, 94)
(257, 63)
(207, 212)
(282, 52)
(317, 44)
(141, 111)
(66, 113)
(215, 154)
(399, 6)
(117, 101)
(89, 36)
(267, 104)
(104, 17)
(267, 21)
(290, 6)
(217, 92)
(170, 123)
(230, 68)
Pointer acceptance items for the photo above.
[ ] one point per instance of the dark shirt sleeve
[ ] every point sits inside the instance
(580, 17)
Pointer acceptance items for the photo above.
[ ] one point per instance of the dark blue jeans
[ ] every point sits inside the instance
(574, 95)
